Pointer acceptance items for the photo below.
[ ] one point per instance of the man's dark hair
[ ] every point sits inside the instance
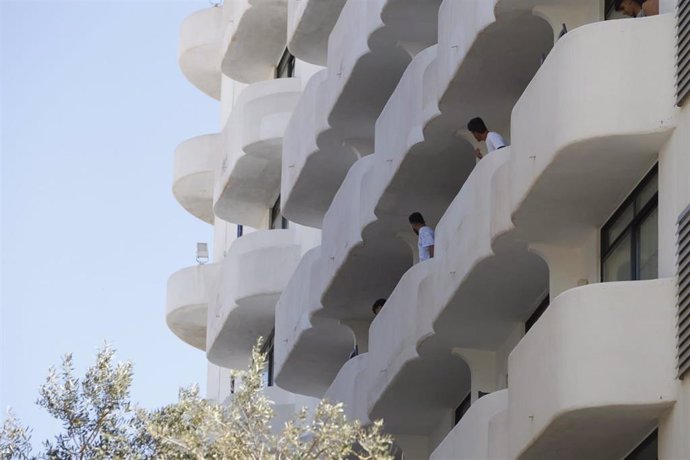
(378, 303)
(416, 218)
(476, 125)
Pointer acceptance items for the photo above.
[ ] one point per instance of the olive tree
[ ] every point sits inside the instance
(100, 422)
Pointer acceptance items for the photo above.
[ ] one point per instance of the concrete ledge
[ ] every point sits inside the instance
(310, 22)
(188, 295)
(249, 181)
(201, 36)
(255, 41)
(253, 274)
(565, 397)
(193, 171)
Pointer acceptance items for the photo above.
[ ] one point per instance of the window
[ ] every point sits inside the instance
(541, 308)
(267, 349)
(286, 65)
(629, 240)
(463, 407)
(609, 7)
(277, 219)
(647, 449)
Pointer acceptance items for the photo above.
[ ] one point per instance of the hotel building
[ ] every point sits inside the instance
(553, 321)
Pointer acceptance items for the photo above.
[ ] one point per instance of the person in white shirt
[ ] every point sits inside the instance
(494, 141)
(425, 243)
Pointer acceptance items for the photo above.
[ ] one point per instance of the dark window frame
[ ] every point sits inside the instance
(632, 229)
(267, 348)
(286, 65)
(651, 437)
(275, 213)
(463, 407)
(608, 7)
(536, 314)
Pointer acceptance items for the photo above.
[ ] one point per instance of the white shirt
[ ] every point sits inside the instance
(494, 141)
(426, 239)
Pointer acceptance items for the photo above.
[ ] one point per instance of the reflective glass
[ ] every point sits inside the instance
(617, 264)
(649, 247)
(619, 225)
(646, 193)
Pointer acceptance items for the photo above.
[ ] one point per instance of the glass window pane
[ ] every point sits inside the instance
(647, 450)
(647, 193)
(616, 267)
(649, 247)
(618, 226)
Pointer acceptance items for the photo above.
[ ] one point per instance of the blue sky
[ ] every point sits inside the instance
(93, 105)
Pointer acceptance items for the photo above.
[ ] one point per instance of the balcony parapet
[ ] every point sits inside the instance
(309, 24)
(193, 170)
(486, 277)
(201, 37)
(346, 387)
(253, 274)
(563, 383)
(255, 40)
(333, 125)
(471, 438)
(188, 294)
(286, 405)
(503, 215)
(249, 180)
(309, 351)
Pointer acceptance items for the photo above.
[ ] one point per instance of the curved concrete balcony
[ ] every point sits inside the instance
(286, 405)
(253, 274)
(566, 400)
(201, 37)
(195, 160)
(309, 24)
(484, 234)
(485, 279)
(595, 161)
(424, 169)
(250, 177)
(333, 125)
(367, 244)
(471, 438)
(188, 295)
(255, 41)
(346, 387)
(309, 351)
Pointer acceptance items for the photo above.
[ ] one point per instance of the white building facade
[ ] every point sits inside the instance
(553, 320)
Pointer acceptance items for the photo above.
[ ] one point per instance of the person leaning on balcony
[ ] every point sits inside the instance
(378, 305)
(425, 242)
(494, 141)
(637, 8)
